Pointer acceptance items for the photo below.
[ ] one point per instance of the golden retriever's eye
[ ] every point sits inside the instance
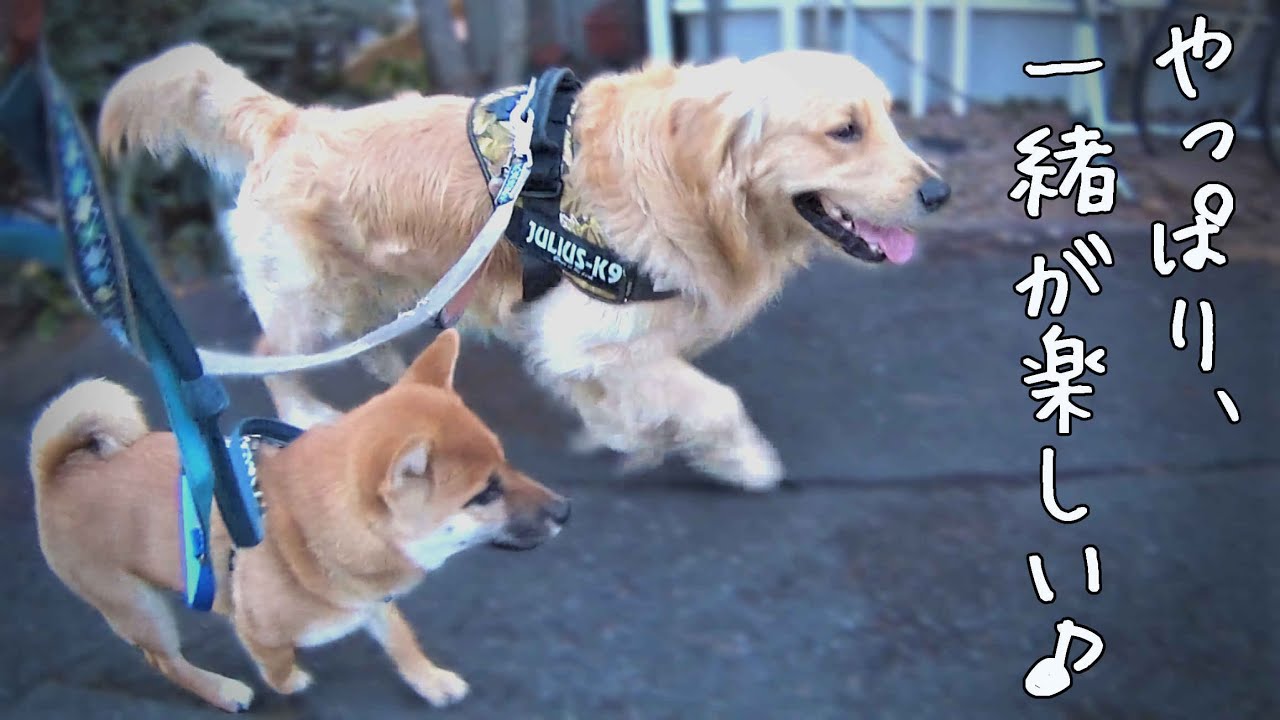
(848, 133)
(490, 493)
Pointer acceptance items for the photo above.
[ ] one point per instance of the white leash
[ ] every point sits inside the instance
(429, 307)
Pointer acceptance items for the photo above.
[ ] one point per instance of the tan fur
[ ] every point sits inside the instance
(226, 119)
(358, 511)
(94, 415)
(346, 217)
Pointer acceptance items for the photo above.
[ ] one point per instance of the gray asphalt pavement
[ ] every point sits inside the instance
(888, 581)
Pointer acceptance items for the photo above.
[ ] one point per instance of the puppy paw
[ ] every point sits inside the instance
(234, 696)
(297, 681)
(440, 687)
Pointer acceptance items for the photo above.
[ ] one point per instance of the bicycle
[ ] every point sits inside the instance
(1261, 111)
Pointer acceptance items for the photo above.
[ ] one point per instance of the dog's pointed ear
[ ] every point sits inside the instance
(408, 466)
(436, 364)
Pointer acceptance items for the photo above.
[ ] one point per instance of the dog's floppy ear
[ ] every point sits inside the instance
(710, 134)
(714, 127)
(717, 108)
(436, 364)
(745, 109)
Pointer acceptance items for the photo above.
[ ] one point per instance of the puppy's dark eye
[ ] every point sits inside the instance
(848, 133)
(490, 493)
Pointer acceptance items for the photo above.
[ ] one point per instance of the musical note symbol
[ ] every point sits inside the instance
(1049, 675)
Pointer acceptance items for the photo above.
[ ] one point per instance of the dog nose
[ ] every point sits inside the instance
(933, 194)
(558, 510)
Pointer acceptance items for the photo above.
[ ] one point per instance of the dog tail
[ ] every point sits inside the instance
(189, 98)
(95, 415)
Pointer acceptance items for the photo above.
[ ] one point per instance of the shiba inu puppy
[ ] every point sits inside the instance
(357, 512)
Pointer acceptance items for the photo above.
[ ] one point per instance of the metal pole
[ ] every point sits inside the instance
(789, 17)
(919, 55)
(658, 29)
(822, 24)
(1095, 101)
(714, 18)
(960, 57)
(850, 27)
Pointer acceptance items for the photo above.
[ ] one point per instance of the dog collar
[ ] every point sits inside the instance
(552, 226)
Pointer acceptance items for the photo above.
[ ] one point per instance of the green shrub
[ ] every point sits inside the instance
(295, 48)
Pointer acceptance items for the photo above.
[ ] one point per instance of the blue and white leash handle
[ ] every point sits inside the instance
(114, 277)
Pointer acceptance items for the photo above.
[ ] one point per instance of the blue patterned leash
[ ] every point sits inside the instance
(114, 277)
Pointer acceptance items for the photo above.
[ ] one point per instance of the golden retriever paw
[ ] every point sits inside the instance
(637, 461)
(234, 696)
(440, 687)
(760, 473)
(582, 442)
(754, 467)
(640, 461)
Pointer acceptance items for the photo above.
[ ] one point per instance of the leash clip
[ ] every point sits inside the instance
(520, 163)
(521, 123)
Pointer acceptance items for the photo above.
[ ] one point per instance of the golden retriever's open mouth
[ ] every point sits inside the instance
(861, 239)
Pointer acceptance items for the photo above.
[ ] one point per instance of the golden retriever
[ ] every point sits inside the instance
(720, 180)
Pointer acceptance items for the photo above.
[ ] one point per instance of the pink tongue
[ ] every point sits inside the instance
(898, 244)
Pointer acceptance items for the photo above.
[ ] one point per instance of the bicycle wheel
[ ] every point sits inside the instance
(1160, 108)
(1144, 65)
(1269, 97)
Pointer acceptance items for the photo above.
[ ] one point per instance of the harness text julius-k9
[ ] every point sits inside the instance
(551, 225)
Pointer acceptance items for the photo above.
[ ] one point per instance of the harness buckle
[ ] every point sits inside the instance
(548, 191)
(624, 296)
(520, 162)
(521, 123)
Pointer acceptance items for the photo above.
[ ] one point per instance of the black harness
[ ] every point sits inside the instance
(547, 248)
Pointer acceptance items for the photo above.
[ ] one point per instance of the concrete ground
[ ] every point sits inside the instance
(888, 581)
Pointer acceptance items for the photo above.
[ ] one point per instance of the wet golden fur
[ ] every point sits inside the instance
(345, 217)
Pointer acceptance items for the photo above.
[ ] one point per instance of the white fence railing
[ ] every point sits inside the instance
(834, 24)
